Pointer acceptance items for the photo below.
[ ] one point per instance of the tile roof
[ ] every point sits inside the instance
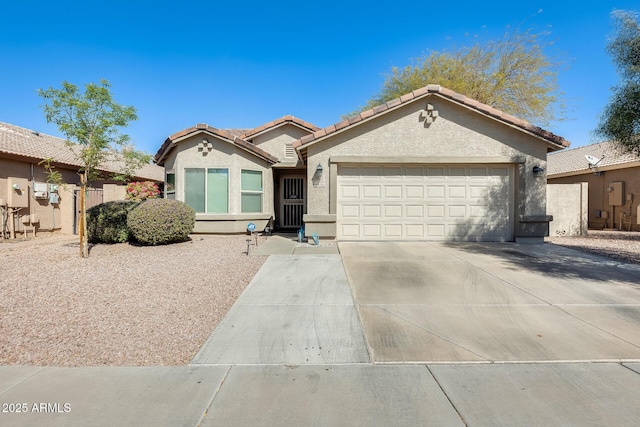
(227, 135)
(277, 122)
(555, 142)
(573, 160)
(22, 142)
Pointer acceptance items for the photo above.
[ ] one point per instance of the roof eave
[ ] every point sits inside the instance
(190, 132)
(554, 142)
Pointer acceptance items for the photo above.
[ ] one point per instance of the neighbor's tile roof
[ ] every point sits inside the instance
(22, 142)
(557, 141)
(275, 123)
(228, 135)
(574, 160)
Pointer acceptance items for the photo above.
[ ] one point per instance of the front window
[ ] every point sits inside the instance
(170, 186)
(251, 197)
(207, 190)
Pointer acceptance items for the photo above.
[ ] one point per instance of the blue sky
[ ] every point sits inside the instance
(239, 66)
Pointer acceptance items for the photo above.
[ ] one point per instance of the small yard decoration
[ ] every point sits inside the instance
(142, 190)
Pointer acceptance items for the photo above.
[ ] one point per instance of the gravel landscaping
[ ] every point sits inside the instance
(141, 306)
(125, 305)
(620, 245)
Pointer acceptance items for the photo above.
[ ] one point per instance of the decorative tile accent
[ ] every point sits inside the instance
(429, 115)
(205, 146)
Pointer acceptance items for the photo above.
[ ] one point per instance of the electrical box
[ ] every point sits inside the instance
(604, 214)
(53, 188)
(40, 190)
(17, 192)
(54, 198)
(616, 193)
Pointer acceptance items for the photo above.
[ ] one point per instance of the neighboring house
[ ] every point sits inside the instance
(36, 203)
(613, 179)
(431, 165)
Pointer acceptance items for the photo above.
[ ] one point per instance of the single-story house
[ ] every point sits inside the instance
(28, 202)
(430, 165)
(613, 178)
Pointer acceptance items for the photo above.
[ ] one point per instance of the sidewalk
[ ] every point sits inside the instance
(291, 352)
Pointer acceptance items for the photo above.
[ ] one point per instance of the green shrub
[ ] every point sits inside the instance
(107, 222)
(161, 221)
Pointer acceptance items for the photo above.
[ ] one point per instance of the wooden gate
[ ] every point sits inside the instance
(94, 197)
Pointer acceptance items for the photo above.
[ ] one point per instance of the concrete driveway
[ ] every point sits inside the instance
(425, 303)
(385, 334)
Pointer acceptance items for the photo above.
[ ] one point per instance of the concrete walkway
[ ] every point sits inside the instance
(293, 350)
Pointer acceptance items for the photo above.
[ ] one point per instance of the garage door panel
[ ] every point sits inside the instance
(393, 191)
(435, 211)
(350, 211)
(414, 192)
(478, 191)
(372, 211)
(371, 172)
(414, 211)
(350, 231)
(436, 192)
(457, 211)
(414, 173)
(453, 202)
(435, 173)
(393, 211)
(457, 172)
(348, 173)
(371, 231)
(350, 191)
(371, 191)
(478, 173)
(502, 172)
(394, 173)
(414, 231)
(478, 211)
(457, 192)
(392, 231)
(435, 231)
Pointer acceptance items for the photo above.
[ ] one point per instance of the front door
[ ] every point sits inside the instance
(292, 192)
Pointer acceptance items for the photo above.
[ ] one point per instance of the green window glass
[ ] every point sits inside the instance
(217, 191)
(251, 186)
(207, 190)
(194, 189)
(170, 186)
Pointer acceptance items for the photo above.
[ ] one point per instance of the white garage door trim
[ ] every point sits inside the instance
(466, 202)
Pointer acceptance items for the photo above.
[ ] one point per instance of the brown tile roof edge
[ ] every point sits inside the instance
(433, 89)
(229, 136)
(573, 161)
(28, 144)
(278, 122)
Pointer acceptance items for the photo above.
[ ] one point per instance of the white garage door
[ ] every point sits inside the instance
(430, 202)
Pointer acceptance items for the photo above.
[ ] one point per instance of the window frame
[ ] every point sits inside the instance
(206, 189)
(169, 194)
(252, 192)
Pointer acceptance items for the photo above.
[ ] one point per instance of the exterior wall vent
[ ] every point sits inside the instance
(289, 151)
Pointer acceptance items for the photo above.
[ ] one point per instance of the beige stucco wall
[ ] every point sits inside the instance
(112, 192)
(223, 155)
(457, 135)
(275, 140)
(52, 217)
(599, 198)
(568, 204)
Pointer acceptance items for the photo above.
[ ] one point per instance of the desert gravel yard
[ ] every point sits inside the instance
(620, 245)
(125, 305)
(141, 306)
